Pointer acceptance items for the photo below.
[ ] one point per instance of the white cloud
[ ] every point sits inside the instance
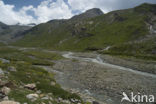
(48, 9)
(52, 10)
(105, 5)
(9, 16)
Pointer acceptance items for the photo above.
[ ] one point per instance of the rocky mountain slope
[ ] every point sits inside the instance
(10, 33)
(130, 31)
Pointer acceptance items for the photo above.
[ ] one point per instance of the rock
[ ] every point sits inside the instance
(95, 102)
(42, 95)
(30, 86)
(2, 95)
(12, 68)
(60, 99)
(45, 98)
(4, 61)
(9, 102)
(5, 90)
(51, 98)
(74, 100)
(32, 97)
(6, 98)
(53, 83)
(1, 72)
(38, 92)
(66, 102)
(50, 102)
(2, 83)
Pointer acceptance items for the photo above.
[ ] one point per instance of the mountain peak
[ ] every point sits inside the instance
(88, 14)
(94, 11)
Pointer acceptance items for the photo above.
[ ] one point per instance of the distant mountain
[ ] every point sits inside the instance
(31, 24)
(9, 33)
(127, 31)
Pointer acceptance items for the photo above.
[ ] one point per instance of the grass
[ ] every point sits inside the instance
(27, 73)
(114, 28)
(2, 44)
(142, 50)
(44, 55)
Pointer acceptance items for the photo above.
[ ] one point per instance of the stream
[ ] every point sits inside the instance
(98, 60)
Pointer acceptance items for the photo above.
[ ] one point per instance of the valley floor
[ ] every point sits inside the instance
(101, 78)
(87, 73)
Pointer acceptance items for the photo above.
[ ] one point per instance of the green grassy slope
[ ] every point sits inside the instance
(26, 72)
(112, 29)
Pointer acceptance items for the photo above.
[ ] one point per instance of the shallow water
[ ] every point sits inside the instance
(98, 60)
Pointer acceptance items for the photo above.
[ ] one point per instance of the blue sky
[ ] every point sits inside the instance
(39, 11)
(20, 3)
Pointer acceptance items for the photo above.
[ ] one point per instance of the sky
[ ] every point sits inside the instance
(40, 11)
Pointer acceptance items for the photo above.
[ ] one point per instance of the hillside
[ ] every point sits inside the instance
(11, 32)
(93, 30)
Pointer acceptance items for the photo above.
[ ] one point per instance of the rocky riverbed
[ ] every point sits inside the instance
(102, 82)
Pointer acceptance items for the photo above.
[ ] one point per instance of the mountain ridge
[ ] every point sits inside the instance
(113, 29)
(9, 32)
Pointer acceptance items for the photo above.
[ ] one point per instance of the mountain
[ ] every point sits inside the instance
(31, 24)
(88, 14)
(130, 31)
(9, 32)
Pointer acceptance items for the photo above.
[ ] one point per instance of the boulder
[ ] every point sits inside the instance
(53, 83)
(30, 86)
(95, 102)
(12, 68)
(5, 90)
(45, 98)
(6, 98)
(4, 61)
(1, 72)
(9, 102)
(32, 97)
(2, 95)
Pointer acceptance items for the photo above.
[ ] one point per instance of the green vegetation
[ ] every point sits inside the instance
(27, 73)
(118, 29)
(16, 55)
(44, 55)
(104, 33)
(114, 28)
(2, 44)
(143, 50)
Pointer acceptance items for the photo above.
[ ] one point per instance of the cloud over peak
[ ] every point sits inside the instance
(59, 9)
